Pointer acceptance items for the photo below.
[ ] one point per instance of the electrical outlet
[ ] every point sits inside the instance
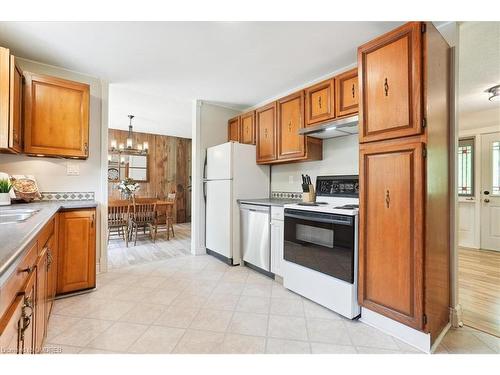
(72, 169)
(290, 179)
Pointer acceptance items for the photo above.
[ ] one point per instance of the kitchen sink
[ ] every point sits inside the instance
(16, 215)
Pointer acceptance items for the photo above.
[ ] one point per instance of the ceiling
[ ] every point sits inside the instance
(479, 69)
(156, 69)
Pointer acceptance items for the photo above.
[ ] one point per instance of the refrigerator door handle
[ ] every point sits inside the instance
(205, 191)
(205, 167)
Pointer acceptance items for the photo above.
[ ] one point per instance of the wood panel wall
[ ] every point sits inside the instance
(169, 170)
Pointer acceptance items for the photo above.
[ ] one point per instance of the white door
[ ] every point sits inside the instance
(219, 159)
(490, 191)
(218, 217)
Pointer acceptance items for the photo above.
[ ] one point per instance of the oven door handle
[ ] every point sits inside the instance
(320, 219)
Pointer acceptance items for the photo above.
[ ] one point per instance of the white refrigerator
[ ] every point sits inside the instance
(230, 174)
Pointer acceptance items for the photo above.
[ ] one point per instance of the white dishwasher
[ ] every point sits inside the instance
(255, 237)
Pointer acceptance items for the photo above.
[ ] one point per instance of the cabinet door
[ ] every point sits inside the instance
(16, 92)
(51, 273)
(4, 97)
(41, 299)
(390, 75)
(291, 145)
(56, 117)
(28, 322)
(346, 93)
(391, 234)
(76, 257)
(265, 121)
(320, 100)
(277, 238)
(247, 131)
(9, 328)
(233, 129)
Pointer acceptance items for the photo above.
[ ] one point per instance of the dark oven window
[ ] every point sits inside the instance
(322, 246)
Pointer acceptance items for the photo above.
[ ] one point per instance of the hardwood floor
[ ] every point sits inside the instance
(479, 289)
(146, 251)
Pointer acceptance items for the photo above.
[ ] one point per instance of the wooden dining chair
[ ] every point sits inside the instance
(118, 219)
(144, 215)
(170, 213)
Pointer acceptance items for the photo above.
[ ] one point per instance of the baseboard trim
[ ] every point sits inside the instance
(419, 340)
(440, 337)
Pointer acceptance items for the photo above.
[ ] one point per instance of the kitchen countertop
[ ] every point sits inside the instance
(15, 237)
(269, 201)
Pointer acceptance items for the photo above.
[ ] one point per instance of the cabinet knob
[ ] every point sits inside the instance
(386, 87)
(486, 200)
(353, 91)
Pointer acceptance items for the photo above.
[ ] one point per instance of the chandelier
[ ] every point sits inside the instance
(140, 148)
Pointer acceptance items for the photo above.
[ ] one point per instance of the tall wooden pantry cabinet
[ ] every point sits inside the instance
(404, 249)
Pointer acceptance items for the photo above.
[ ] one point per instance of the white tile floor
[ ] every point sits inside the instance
(200, 305)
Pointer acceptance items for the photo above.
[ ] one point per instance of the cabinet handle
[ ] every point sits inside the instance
(92, 221)
(26, 317)
(387, 198)
(265, 132)
(386, 87)
(290, 127)
(353, 91)
(86, 147)
(319, 102)
(49, 258)
(27, 270)
(486, 200)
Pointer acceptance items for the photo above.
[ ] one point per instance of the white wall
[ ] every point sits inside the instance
(340, 156)
(209, 129)
(51, 172)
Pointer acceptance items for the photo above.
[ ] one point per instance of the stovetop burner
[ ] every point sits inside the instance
(311, 203)
(348, 206)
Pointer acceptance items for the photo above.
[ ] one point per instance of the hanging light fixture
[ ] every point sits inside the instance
(128, 146)
(494, 93)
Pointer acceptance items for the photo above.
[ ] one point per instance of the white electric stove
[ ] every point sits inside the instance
(321, 245)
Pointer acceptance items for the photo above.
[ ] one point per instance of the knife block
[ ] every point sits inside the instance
(309, 197)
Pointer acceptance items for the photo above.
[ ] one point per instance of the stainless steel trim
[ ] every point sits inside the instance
(336, 125)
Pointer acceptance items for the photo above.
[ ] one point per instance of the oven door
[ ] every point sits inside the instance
(320, 241)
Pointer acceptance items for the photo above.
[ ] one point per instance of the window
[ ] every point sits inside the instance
(496, 167)
(466, 167)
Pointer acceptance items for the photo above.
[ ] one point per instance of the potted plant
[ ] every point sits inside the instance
(128, 187)
(5, 187)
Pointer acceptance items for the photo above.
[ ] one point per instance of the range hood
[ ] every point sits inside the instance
(333, 129)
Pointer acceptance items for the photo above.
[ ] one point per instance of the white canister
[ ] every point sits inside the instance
(4, 199)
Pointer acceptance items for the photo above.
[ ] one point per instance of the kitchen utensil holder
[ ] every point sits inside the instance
(310, 196)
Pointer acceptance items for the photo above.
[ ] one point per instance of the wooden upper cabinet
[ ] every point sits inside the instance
(346, 93)
(247, 131)
(76, 258)
(11, 90)
(389, 69)
(233, 129)
(391, 230)
(265, 124)
(320, 102)
(291, 145)
(56, 119)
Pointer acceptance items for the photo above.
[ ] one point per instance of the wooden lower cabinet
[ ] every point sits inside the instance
(28, 320)
(9, 328)
(391, 215)
(77, 257)
(41, 299)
